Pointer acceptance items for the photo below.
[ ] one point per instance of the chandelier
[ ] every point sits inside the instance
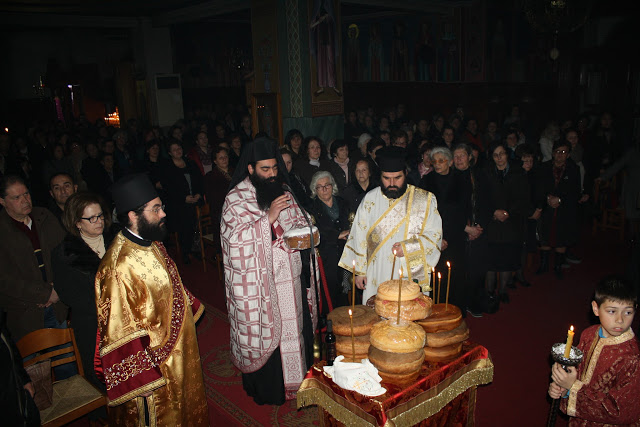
(557, 16)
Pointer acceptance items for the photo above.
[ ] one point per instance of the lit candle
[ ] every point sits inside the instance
(446, 301)
(353, 342)
(433, 276)
(353, 288)
(393, 267)
(399, 296)
(567, 349)
(439, 278)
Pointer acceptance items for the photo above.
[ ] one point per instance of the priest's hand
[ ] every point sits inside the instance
(563, 378)
(277, 206)
(361, 282)
(555, 391)
(397, 247)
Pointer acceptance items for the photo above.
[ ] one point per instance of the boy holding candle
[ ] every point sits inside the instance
(604, 388)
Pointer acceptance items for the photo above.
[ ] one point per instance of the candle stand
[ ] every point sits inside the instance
(574, 359)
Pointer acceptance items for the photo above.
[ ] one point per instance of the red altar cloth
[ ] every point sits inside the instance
(449, 384)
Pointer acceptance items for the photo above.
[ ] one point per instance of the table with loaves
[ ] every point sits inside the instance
(428, 366)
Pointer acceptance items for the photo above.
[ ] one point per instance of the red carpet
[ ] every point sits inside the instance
(519, 338)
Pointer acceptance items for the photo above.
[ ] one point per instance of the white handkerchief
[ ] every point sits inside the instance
(361, 377)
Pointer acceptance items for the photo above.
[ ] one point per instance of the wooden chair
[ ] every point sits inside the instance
(73, 397)
(608, 215)
(205, 227)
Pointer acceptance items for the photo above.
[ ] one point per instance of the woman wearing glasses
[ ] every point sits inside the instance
(558, 191)
(331, 215)
(75, 262)
(445, 185)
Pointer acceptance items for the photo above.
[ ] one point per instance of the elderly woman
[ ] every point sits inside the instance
(355, 191)
(182, 182)
(558, 192)
(312, 159)
(508, 200)
(75, 263)
(331, 215)
(443, 184)
(472, 185)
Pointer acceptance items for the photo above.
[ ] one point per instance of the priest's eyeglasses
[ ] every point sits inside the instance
(95, 218)
(156, 210)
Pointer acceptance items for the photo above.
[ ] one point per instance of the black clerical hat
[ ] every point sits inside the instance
(391, 159)
(133, 191)
(261, 148)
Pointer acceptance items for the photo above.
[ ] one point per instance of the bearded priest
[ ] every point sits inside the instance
(147, 345)
(270, 296)
(393, 217)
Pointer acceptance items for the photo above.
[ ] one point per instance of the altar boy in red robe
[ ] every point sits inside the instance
(604, 389)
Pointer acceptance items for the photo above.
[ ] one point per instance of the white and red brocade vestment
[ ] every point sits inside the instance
(263, 288)
(147, 337)
(607, 389)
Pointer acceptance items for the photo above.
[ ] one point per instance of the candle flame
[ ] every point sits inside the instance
(394, 252)
(448, 264)
(571, 328)
(354, 263)
(400, 273)
(350, 312)
(439, 276)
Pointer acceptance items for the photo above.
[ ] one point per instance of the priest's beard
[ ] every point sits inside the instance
(156, 231)
(267, 189)
(394, 192)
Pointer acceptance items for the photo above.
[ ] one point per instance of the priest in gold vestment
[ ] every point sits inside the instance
(147, 349)
(393, 217)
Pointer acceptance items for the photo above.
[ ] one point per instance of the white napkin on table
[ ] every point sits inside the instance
(361, 377)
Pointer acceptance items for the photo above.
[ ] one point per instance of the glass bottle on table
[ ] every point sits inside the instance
(330, 344)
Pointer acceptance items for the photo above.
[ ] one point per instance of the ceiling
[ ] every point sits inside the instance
(125, 13)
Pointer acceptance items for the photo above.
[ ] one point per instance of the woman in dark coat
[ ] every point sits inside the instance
(75, 263)
(341, 167)
(444, 185)
(558, 191)
(182, 182)
(361, 185)
(313, 158)
(508, 200)
(331, 215)
(216, 186)
(472, 184)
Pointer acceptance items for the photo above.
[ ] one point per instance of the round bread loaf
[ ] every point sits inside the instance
(396, 363)
(415, 309)
(445, 338)
(440, 319)
(405, 337)
(408, 378)
(437, 354)
(361, 343)
(299, 238)
(389, 290)
(363, 319)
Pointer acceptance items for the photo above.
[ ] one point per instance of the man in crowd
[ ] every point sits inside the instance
(395, 217)
(148, 349)
(29, 234)
(269, 306)
(61, 186)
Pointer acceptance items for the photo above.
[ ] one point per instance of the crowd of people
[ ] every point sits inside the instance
(482, 201)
